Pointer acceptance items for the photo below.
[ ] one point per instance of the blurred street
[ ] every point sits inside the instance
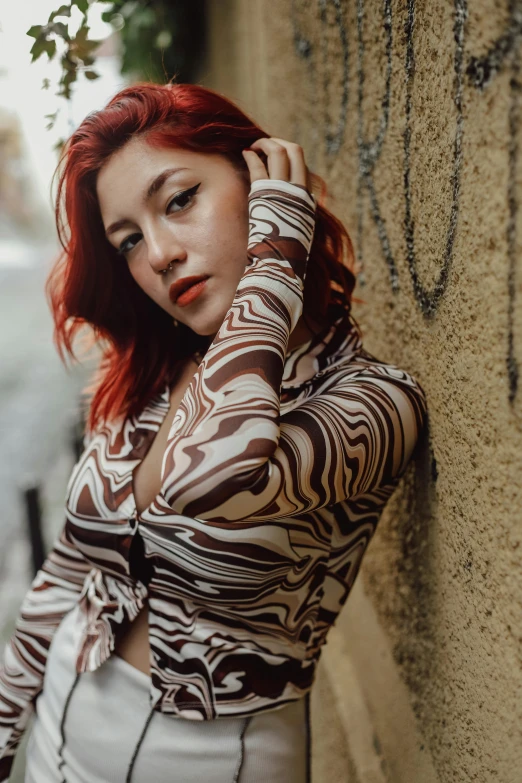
(39, 395)
(38, 406)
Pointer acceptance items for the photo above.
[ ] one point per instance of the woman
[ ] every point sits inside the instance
(240, 448)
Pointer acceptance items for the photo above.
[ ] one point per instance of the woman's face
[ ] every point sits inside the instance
(150, 218)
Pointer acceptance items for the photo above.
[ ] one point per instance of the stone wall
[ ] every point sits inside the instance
(411, 112)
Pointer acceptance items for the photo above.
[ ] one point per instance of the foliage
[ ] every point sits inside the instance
(160, 40)
(79, 49)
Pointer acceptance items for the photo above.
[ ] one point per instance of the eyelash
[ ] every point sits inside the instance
(190, 192)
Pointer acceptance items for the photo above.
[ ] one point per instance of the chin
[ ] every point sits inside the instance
(206, 324)
(209, 331)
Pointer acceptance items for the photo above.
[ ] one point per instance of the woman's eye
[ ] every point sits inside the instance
(182, 199)
(123, 248)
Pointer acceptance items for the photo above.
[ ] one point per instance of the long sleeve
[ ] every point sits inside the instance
(53, 592)
(230, 453)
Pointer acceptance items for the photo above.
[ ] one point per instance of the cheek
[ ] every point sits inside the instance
(230, 255)
(138, 272)
(228, 235)
(135, 273)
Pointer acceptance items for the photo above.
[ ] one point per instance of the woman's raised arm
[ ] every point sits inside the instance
(230, 454)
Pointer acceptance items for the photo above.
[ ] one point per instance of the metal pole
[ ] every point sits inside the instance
(34, 524)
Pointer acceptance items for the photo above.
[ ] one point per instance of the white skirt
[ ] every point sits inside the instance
(98, 727)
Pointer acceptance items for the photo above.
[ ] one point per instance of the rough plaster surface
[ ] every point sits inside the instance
(331, 759)
(411, 112)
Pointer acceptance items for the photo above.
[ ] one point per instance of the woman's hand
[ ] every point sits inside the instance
(281, 215)
(285, 160)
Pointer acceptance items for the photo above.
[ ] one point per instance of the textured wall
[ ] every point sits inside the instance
(411, 111)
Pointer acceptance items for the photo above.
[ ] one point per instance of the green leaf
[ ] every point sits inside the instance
(46, 83)
(52, 120)
(38, 48)
(82, 38)
(60, 29)
(91, 75)
(51, 49)
(84, 47)
(67, 63)
(69, 77)
(65, 92)
(82, 5)
(64, 10)
(83, 32)
(34, 31)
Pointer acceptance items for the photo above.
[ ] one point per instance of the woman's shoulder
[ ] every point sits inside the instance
(368, 369)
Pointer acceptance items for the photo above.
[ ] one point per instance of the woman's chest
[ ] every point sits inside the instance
(119, 478)
(147, 476)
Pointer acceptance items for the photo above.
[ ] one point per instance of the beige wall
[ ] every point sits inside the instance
(421, 679)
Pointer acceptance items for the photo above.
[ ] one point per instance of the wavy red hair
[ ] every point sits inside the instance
(140, 343)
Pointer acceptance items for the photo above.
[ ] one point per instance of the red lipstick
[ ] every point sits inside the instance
(184, 290)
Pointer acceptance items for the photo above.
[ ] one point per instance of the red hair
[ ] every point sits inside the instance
(90, 285)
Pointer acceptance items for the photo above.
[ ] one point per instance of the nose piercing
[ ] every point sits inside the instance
(167, 269)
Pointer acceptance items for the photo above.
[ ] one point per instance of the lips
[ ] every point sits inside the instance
(177, 288)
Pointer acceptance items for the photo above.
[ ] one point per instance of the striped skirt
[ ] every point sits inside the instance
(98, 727)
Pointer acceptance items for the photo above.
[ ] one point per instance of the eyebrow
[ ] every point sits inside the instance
(153, 188)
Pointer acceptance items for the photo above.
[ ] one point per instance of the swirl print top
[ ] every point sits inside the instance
(277, 467)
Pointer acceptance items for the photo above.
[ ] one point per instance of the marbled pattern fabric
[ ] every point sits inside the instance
(277, 468)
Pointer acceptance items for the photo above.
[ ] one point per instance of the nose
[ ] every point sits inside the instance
(162, 249)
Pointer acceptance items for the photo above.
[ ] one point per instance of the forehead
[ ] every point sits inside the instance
(137, 163)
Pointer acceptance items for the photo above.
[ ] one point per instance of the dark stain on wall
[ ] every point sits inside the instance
(429, 300)
(333, 138)
(369, 153)
(514, 125)
(480, 72)
(505, 51)
(369, 150)
(305, 50)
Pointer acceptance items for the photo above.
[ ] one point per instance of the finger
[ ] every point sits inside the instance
(277, 158)
(298, 172)
(255, 165)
